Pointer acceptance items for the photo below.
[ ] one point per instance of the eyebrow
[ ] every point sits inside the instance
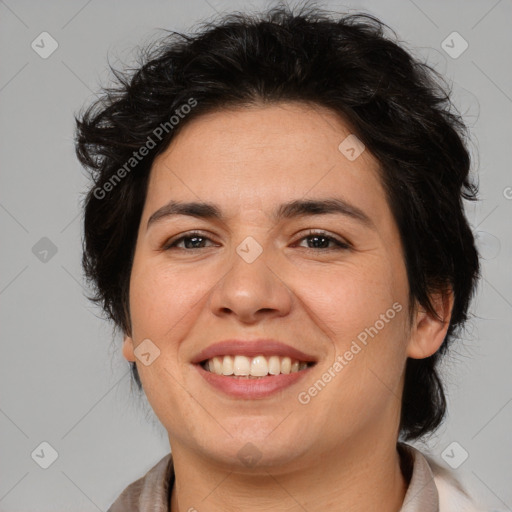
(292, 209)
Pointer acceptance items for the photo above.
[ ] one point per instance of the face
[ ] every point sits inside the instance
(329, 282)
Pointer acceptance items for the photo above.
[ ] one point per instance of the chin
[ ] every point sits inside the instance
(255, 450)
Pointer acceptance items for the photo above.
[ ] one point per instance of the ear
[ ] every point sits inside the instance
(428, 332)
(128, 349)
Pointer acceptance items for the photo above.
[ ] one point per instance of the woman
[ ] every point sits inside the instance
(276, 226)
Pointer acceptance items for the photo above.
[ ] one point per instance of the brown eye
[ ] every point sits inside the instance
(191, 241)
(321, 240)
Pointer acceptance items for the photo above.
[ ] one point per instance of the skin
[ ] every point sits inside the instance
(339, 450)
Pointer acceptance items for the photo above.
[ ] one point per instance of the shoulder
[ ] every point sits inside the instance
(149, 492)
(452, 495)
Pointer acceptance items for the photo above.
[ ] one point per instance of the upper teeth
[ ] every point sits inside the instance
(258, 366)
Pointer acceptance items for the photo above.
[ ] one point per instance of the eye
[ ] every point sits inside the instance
(192, 240)
(321, 239)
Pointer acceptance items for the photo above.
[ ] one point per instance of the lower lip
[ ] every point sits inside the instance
(241, 387)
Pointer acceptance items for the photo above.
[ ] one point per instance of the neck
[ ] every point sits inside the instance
(360, 477)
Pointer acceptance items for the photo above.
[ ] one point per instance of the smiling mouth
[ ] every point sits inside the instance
(253, 367)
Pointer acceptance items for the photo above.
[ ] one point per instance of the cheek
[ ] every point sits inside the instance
(342, 300)
(349, 299)
(363, 312)
(161, 297)
(164, 304)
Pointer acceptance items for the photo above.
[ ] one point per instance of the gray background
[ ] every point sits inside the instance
(65, 383)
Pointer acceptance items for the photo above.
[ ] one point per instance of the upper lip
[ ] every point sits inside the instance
(253, 348)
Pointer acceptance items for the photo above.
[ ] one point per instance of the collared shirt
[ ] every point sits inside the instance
(431, 488)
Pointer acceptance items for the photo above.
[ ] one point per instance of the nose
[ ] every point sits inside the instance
(251, 291)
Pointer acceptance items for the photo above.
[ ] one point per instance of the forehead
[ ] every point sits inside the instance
(259, 156)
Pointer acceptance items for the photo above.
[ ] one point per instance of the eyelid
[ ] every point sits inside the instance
(343, 242)
(187, 234)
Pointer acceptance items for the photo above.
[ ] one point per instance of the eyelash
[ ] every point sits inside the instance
(196, 234)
